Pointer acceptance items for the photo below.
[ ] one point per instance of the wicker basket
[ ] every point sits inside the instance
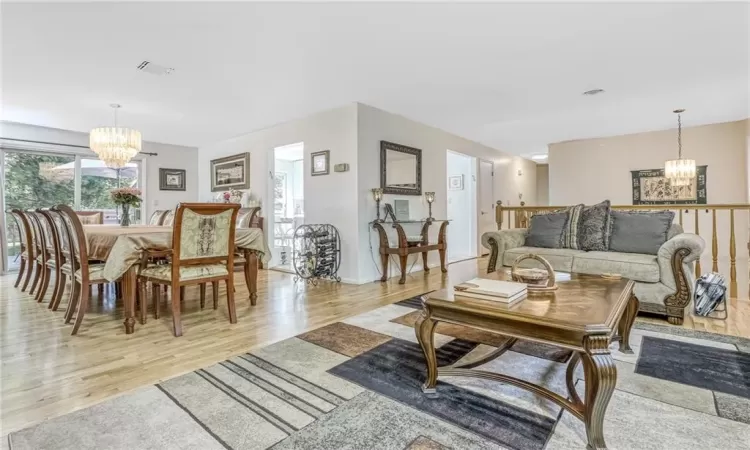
(534, 278)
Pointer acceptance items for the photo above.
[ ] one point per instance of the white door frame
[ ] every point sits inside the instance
(480, 248)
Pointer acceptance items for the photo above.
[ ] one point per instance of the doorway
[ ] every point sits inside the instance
(287, 201)
(462, 201)
(486, 202)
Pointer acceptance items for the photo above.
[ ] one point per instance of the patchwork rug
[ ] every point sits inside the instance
(356, 385)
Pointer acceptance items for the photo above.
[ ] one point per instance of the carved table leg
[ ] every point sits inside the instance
(601, 376)
(570, 379)
(251, 275)
(425, 330)
(626, 324)
(128, 288)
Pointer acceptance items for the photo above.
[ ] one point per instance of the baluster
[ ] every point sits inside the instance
(715, 245)
(697, 261)
(732, 256)
(499, 214)
(509, 222)
(681, 217)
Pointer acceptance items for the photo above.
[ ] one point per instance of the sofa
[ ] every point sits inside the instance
(663, 282)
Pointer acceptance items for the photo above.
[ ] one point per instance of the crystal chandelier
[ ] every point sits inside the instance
(115, 146)
(679, 172)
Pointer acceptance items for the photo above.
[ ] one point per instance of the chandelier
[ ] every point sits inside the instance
(115, 146)
(679, 172)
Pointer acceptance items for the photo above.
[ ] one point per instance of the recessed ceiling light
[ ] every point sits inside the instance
(539, 157)
(593, 92)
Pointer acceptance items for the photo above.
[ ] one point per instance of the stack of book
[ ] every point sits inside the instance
(505, 292)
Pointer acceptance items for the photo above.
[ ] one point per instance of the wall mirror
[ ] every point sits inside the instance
(400, 169)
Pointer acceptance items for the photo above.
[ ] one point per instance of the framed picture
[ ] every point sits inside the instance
(651, 187)
(171, 179)
(456, 183)
(320, 163)
(231, 172)
(402, 209)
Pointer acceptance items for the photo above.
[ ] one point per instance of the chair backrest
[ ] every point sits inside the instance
(204, 234)
(157, 217)
(249, 218)
(63, 237)
(90, 217)
(26, 239)
(168, 219)
(37, 235)
(78, 242)
(51, 236)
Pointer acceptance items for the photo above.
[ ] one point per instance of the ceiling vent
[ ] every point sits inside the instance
(154, 69)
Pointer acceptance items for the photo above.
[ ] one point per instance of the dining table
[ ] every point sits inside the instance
(121, 247)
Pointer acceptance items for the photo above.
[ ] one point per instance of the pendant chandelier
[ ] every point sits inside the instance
(679, 172)
(116, 146)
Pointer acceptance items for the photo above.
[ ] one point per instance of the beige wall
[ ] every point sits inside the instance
(590, 170)
(542, 184)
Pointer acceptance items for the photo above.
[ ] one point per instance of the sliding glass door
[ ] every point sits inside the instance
(34, 179)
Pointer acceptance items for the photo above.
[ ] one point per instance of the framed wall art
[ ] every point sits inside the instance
(230, 172)
(651, 187)
(320, 163)
(456, 183)
(171, 179)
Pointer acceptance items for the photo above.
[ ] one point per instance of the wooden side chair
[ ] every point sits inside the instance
(168, 219)
(51, 256)
(37, 238)
(65, 260)
(91, 217)
(55, 260)
(27, 249)
(202, 252)
(157, 217)
(85, 272)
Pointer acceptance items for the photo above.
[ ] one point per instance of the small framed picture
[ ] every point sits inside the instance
(171, 179)
(320, 163)
(456, 183)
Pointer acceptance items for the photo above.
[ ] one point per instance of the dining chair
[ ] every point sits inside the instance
(56, 259)
(51, 258)
(91, 217)
(168, 219)
(157, 217)
(248, 218)
(27, 249)
(65, 265)
(85, 273)
(202, 252)
(37, 238)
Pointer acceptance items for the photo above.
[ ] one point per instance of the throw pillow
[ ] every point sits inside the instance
(570, 234)
(594, 228)
(639, 231)
(546, 230)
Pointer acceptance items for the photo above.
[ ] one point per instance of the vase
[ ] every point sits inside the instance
(125, 219)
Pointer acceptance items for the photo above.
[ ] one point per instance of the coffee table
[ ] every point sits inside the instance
(584, 315)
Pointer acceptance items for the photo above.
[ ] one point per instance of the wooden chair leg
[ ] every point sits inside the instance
(21, 270)
(176, 319)
(75, 293)
(156, 298)
(215, 289)
(46, 275)
(118, 290)
(37, 276)
(101, 291)
(142, 296)
(83, 305)
(55, 289)
(27, 277)
(91, 290)
(203, 295)
(182, 293)
(55, 303)
(230, 301)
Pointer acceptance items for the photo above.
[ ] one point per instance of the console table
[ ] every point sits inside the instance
(408, 245)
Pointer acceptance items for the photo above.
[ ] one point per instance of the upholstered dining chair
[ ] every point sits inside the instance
(157, 217)
(202, 252)
(85, 273)
(56, 258)
(27, 249)
(51, 257)
(168, 219)
(91, 217)
(66, 259)
(40, 253)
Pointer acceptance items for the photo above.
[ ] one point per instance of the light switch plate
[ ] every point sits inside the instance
(343, 167)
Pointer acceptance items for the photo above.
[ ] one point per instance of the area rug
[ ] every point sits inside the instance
(355, 384)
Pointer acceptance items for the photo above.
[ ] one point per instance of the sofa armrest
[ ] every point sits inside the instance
(500, 241)
(675, 258)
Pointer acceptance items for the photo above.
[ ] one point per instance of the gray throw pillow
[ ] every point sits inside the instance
(594, 227)
(639, 231)
(546, 230)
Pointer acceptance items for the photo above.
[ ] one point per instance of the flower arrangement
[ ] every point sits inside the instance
(126, 196)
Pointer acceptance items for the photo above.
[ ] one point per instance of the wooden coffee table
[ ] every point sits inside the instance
(584, 315)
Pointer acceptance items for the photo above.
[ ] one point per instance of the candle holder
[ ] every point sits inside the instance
(430, 197)
(377, 195)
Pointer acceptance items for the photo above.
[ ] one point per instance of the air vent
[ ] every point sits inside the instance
(154, 69)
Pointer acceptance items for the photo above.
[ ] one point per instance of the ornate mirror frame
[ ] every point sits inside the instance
(384, 147)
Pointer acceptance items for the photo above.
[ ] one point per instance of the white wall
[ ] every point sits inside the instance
(374, 125)
(461, 207)
(169, 156)
(329, 198)
(542, 185)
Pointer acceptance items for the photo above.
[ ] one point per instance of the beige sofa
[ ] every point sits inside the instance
(664, 282)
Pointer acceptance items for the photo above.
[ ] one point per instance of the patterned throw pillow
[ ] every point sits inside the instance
(594, 227)
(570, 233)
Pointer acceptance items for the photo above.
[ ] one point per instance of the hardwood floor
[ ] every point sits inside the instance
(46, 372)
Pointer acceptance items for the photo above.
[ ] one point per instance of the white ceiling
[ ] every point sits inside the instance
(507, 75)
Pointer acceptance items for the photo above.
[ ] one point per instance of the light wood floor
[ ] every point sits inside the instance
(45, 372)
